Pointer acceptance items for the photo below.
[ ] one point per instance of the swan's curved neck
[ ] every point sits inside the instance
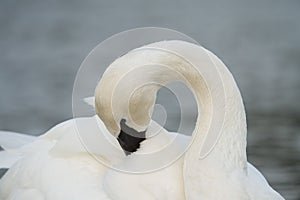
(219, 138)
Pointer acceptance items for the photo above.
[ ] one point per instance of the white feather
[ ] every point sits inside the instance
(12, 140)
(90, 101)
(12, 143)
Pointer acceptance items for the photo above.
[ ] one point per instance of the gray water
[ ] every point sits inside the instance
(44, 42)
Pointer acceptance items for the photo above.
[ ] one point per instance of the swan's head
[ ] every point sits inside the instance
(126, 93)
(124, 99)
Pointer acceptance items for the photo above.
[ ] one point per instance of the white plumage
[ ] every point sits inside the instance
(57, 166)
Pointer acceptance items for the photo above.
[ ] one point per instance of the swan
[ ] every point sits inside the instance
(57, 166)
(215, 165)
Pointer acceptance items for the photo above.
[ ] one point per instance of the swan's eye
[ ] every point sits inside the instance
(129, 138)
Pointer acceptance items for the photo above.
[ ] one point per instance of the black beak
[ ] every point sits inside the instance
(129, 138)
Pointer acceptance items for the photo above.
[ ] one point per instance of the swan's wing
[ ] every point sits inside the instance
(258, 187)
(10, 142)
(76, 136)
(86, 135)
(58, 166)
(8, 159)
(42, 176)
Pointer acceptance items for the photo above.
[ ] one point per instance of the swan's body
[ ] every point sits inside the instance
(51, 170)
(56, 166)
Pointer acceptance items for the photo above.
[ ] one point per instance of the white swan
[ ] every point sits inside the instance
(57, 166)
(128, 91)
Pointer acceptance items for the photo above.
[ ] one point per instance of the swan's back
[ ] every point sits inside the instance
(50, 169)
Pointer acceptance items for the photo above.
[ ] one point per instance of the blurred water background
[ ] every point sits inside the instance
(44, 42)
